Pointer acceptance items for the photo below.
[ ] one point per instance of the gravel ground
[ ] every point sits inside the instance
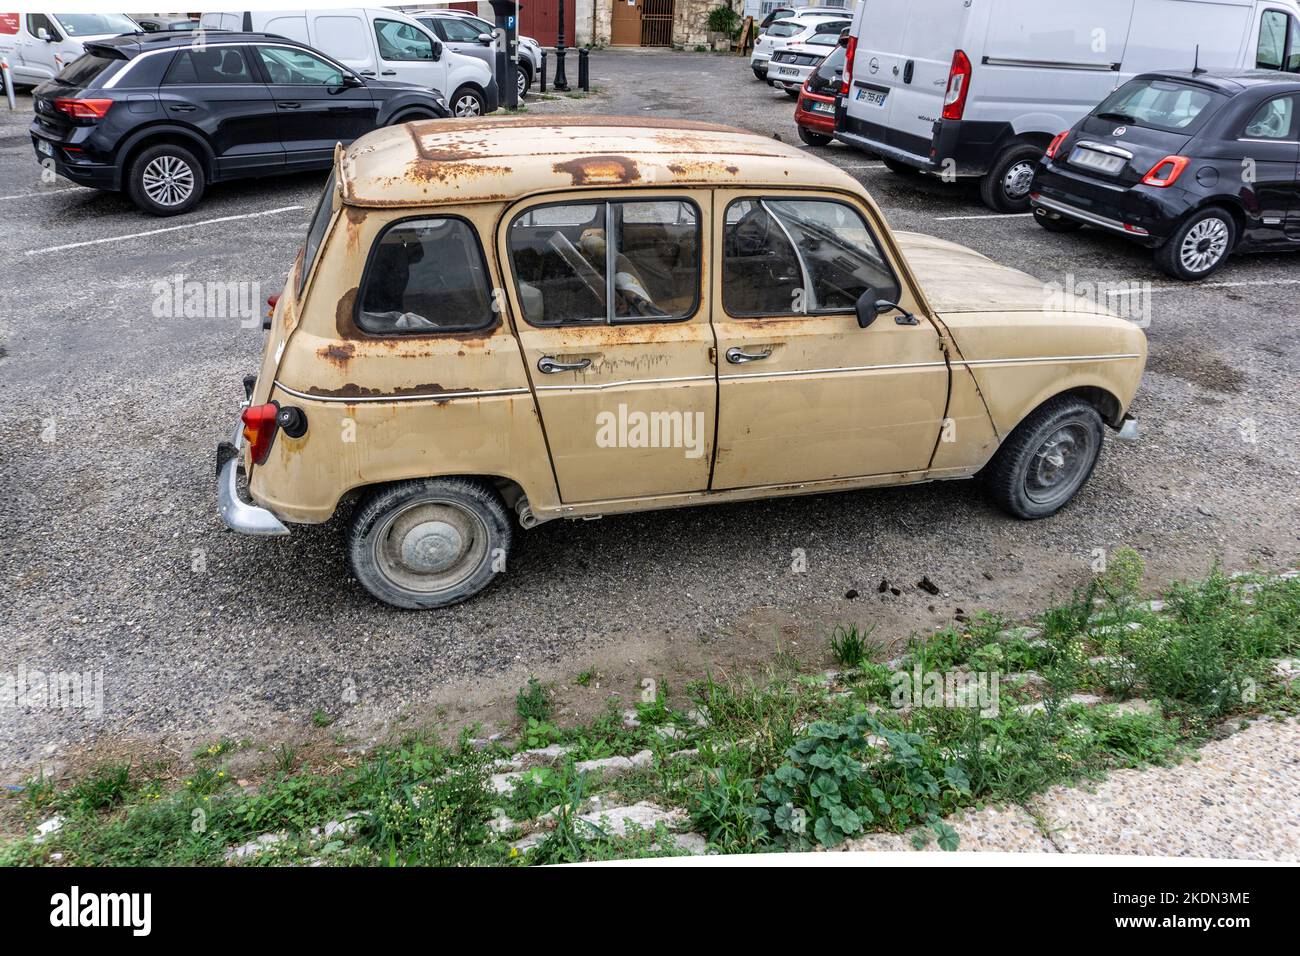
(113, 558)
(1236, 800)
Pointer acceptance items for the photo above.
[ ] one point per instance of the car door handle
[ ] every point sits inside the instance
(738, 356)
(548, 365)
(367, 72)
(288, 106)
(388, 73)
(181, 109)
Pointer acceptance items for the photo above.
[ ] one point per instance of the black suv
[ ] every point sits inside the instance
(1195, 165)
(162, 115)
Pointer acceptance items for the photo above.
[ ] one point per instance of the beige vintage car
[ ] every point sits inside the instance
(529, 319)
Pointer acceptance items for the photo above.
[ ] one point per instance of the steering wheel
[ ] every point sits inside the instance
(279, 72)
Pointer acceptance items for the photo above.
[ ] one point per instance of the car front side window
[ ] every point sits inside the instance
(426, 276)
(290, 66)
(1275, 119)
(401, 41)
(1272, 40)
(800, 256)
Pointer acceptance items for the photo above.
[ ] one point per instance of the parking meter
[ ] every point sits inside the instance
(506, 13)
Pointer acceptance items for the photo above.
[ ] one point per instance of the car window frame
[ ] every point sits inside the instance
(611, 319)
(1293, 132)
(493, 312)
(254, 55)
(417, 26)
(903, 288)
(1288, 34)
(256, 70)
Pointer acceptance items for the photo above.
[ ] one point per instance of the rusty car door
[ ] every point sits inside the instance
(616, 338)
(805, 394)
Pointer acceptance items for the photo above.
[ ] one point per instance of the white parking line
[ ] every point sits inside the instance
(48, 192)
(992, 215)
(155, 232)
(1203, 285)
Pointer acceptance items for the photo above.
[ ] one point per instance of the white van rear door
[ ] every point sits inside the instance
(345, 36)
(879, 28)
(934, 32)
(291, 25)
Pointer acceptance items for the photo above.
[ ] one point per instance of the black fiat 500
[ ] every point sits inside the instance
(1194, 165)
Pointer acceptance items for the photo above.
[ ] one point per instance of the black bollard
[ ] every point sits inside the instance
(584, 77)
(542, 87)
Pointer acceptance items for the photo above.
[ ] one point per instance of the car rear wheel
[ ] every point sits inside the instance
(759, 74)
(429, 543)
(166, 180)
(1005, 187)
(1046, 459)
(1200, 246)
(523, 80)
(468, 102)
(813, 138)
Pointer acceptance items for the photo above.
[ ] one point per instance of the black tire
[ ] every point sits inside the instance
(1059, 224)
(899, 168)
(1216, 226)
(793, 94)
(164, 172)
(411, 116)
(1023, 480)
(467, 101)
(458, 528)
(759, 74)
(523, 79)
(1005, 187)
(814, 139)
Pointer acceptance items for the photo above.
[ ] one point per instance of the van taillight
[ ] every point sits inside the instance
(259, 429)
(1166, 171)
(847, 76)
(82, 109)
(954, 98)
(1055, 144)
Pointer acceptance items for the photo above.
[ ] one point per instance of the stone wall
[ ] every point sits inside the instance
(690, 21)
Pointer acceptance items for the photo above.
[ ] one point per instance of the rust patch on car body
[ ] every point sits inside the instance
(599, 170)
(433, 391)
(338, 353)
(703, 169)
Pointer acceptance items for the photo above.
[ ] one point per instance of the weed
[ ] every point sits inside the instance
(848, 646)
(533, 702)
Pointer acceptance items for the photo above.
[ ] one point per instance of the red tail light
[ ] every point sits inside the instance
(954, 98)
(82, 109)
(1166, 171)
(1055, 144)
(271, 301)
(846, 77)
(259, 429)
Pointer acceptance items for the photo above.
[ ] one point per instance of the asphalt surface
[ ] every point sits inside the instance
(112, 557)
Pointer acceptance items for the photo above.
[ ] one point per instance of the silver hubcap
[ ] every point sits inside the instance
(1060, 464)
(521, 83)
(1204, 245)
(430, 546)
(1016, 182)
(168, 180)
(467, 106)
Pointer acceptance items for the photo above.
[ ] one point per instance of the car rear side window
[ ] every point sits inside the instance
(800, 256)
(85, 69)
(1279, 42)
(425, 276)
(1275, 119)
(1160, 104)
(565, 269)
(222, 64)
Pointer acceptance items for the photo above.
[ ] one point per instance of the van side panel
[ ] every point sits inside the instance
(1166, 33)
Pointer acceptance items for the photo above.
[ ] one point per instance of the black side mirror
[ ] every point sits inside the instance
(437, 51)
(870, 307)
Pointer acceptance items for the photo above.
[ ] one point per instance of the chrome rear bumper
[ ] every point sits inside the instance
(238, 514)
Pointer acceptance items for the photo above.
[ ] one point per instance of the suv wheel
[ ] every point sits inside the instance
(759, 74)
(1006, 186)
(429, 543)
(166, 180)
(1047, 459)
(468, 102)
(1200, 245)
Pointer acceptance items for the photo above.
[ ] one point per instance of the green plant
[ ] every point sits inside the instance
(321, 719)
(848, 646)
(539, 734)
(102, 789)
(533, 702)
(284, 758)
(726, 809)
(723, 19)
(586, 677)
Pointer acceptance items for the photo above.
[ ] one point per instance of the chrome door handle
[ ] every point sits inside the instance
(739, 356)
(549, 366)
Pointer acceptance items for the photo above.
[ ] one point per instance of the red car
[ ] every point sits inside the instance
(815, 112)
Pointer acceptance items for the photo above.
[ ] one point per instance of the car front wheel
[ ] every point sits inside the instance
(468, 102)
(523, 80)
(1200, 245)
(429, 543)
(1005, 187)
(1046, 459)
(166, 180)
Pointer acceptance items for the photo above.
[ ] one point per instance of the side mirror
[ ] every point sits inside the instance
(485, 39)
(44, 34)
(351, 81)
(871, 307)
(437, 51)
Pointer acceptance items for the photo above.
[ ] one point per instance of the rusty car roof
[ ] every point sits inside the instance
(485, 159)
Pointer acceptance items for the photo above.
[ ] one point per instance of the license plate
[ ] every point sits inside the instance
(1101, 162)
(823, 107)
(44, 147)
(788, 71)
(871, 97)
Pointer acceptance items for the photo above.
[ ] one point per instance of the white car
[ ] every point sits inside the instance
(380, 44)
(464, 33)
(796, 29)
(791, 64)
(39, 45)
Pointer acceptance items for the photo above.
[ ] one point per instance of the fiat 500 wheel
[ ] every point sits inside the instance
(429, 543)
(1047, 459)
(1200, 246)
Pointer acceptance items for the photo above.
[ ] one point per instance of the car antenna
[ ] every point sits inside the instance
(1196, 61)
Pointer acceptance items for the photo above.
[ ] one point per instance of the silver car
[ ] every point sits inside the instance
(467, 34)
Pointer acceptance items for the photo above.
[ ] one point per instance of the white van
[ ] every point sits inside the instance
(39, 45)
(980, 88)
(382, 44)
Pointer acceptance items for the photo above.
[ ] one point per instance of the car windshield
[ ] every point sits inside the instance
(828, 71)
(95, 24)
(1159, 104)
(824, 39)
(84, 69)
